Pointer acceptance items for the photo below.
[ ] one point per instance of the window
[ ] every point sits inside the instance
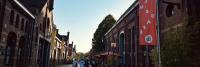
(22, 24)
(1, 19)
(40, 27)
(129, 39)
(17, 21)
(170, 10)
(193, 8)
(44, 25)
(7, 55)
(36, 36)
(19, 52)
(11, 17)
(48, 23)
(54, 54)
(0, 8)
(26, 26)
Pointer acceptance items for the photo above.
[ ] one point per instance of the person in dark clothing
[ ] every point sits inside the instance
(86, 63)
(93, 63)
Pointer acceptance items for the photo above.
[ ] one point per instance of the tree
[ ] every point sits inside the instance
(103, 27)
(80, 56)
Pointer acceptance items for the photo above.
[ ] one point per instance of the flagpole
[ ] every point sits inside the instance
(158, 34)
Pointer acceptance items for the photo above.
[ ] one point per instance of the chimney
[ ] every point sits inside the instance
(72, 44)
(67, 33)
(68, 36)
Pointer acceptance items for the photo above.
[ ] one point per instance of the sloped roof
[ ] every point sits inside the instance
(33, 4)
(24, 8)
(132, 7)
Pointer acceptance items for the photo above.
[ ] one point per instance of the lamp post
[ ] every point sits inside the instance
(113, 46)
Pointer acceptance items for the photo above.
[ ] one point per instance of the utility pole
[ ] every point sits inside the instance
(147, 56)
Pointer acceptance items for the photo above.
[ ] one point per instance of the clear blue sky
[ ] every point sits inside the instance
(81, 18)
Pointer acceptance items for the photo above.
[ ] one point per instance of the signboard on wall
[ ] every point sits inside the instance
(148, 22)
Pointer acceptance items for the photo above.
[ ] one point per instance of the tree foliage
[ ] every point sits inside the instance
(103, 27)
(80, 56)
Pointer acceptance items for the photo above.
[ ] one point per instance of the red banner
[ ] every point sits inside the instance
(147, 22)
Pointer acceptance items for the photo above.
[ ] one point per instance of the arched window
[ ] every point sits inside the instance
(10, 49)
(17, 21)
(26, 26)
(40, 27)
(54, 55)
(122, 48)
(48, 23)
(44, 25)
(7, 55)
(21, 53)
(0, 8)
(36, 34)
(22, 24)
(11, 17)
(1, 24)
(193, 8)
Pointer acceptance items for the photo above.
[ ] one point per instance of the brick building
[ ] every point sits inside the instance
(123, 33)
(25, 31)
(16, 34)
(59, 48)
(43, 11)
(172, 15)
(70, 50)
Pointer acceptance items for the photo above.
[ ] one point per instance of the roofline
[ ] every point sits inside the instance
(58, 39)
(123, 15)
(25, 9)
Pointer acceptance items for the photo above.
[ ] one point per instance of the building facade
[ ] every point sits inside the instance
(70, 50)
(17, 28)
(59, 48)
(25, 31)
(123, 34)
(173, 16)
(43, 11)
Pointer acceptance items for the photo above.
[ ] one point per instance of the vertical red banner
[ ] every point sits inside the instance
(147, 22)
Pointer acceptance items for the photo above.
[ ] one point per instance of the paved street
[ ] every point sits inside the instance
(67, 65)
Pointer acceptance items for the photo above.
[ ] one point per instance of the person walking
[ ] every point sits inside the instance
(82, 63)
(86, 63)
(75, 63)
(93, 63)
